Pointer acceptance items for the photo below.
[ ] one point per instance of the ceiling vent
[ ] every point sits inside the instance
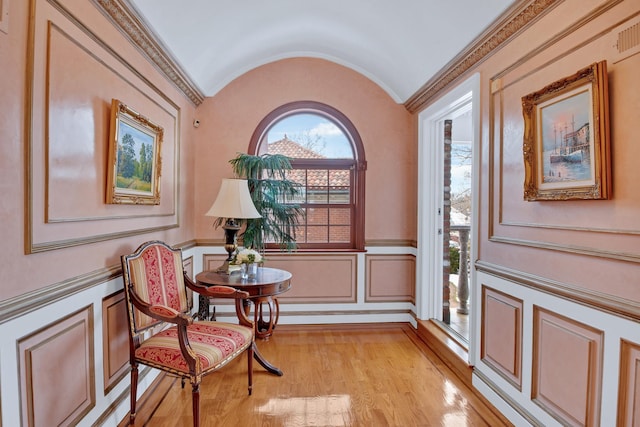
(626, 40)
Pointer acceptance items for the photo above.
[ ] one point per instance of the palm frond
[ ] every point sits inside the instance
(270, 189)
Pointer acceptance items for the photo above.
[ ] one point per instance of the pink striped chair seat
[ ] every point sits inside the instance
(215, 344)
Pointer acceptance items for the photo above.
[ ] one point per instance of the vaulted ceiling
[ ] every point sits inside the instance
(399, 45)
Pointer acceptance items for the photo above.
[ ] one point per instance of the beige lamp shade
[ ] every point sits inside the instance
(233, 201)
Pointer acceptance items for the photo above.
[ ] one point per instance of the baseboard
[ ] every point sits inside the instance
(452, 353)
(455, 355)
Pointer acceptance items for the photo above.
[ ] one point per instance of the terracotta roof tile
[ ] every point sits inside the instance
(292, 149)
(315, 177)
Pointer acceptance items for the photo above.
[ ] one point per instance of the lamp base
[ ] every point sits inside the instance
(230, 228)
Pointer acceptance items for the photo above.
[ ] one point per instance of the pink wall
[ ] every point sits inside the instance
(229, 119)
(590, 244)
(78, 103)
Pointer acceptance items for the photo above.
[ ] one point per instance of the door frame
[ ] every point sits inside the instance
(430, 183)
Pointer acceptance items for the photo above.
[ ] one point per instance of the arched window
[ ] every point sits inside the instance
(329, 164)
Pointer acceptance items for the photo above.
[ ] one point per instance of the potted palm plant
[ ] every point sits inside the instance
(272, 194)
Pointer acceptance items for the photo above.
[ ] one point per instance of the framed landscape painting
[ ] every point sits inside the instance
(566, 138)
(134, 158)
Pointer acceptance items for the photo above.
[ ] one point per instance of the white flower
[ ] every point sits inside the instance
(247, 256)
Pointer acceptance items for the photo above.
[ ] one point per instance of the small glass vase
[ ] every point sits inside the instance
(248, 271)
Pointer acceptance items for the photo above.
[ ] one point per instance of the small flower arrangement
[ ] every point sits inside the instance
(247, 256)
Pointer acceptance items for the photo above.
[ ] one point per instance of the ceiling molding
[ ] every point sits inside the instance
(127, 20)
(513, 21)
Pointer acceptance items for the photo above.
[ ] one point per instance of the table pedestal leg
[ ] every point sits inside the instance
(263, 362)
(263, 329)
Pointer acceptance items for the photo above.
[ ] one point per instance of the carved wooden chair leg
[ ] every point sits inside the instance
(134, 391)
(195, 400)
(250, 368)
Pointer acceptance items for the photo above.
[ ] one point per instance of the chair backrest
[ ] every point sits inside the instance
(155, 273)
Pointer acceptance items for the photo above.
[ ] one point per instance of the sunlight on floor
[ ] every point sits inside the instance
(330, 411)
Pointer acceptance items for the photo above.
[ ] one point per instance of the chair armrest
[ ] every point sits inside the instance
(215, 291)
(224, 292)
(160, 312)
(169, 315)
(241, 297)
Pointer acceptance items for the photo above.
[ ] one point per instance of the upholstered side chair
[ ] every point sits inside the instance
(163, 333)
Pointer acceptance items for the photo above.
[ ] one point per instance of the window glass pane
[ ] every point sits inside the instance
(303, 216)
(317, 190)
(318, 195)
(339, 195)
(317, 177)
(339, 216)
(299, 176)
(308, 136)
(317, 234)
(339, 178)
(340, 234)
(317, 216)
(301, 233)
(339, 186)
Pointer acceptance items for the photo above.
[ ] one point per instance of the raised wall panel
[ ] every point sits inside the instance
(567, 368)
(315, 277)
(501, 334)
(212, 261)
(57, 384)
(629, 391)
(68, 138)
(585, 236)
(115, 335)
(390, 278)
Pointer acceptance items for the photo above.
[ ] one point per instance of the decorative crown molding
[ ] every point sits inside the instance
(516, 19)
(126, 19)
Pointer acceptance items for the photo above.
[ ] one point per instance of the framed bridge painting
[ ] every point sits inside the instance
(134, 161)
(566, 138)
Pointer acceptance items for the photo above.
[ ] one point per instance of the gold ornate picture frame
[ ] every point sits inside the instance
(134, 160)
(566, 138)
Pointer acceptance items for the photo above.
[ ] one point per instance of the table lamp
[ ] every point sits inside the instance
(232, 203)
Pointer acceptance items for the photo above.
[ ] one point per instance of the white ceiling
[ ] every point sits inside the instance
(398, 44)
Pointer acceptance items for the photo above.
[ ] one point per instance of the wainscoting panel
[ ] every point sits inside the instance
(212, 261)
(580, 365)
(501, 334)
(115, 336)
(567, 368)
(316, 277)
(390, 278)
(629, 393)
(57, 385)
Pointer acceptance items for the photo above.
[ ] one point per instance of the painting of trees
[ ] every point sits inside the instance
(135, 161)
(134, 158)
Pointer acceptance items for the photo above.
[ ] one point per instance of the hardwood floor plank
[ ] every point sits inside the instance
(352, 375)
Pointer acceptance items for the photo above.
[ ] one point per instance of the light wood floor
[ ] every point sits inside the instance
(371, 376)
